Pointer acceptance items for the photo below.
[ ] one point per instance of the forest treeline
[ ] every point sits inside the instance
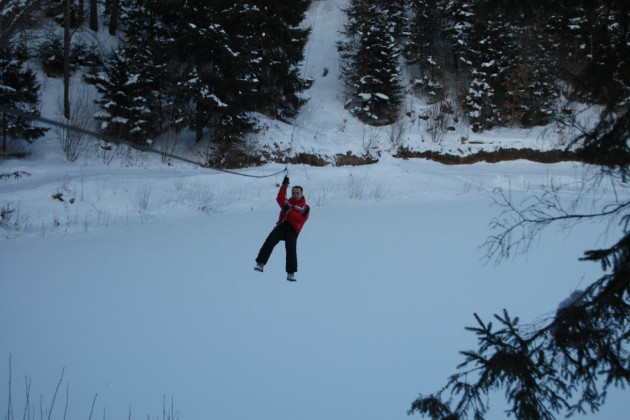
(212, 67)
(490, 62)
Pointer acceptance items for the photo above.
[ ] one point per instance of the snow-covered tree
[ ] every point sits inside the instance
(508, 62)
(19, 91)
(269, 34)
(571, 27)
(148, 44)
(607, 72)
(371, 68)
(214, 63)
(209, 74)
(458, 30)
(490, 57)
(125, 99)
(425, 48)
(532, 87)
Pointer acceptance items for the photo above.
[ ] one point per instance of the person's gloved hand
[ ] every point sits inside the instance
(285, 181)
(286, 208)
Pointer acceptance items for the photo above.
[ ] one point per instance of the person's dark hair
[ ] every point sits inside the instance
(301, 189)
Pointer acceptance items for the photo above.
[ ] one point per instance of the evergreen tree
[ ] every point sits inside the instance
(207, 65)
(147, 44)
(510, 64)
(531, 85)
(491, 57)
(571, 27)
(605, 78)
(126, 112)
(370, 68)
(537, 92)
(460, 17)
(210, 76)
(19, 90)
(270, 34)
(50, 53)
(425, 50)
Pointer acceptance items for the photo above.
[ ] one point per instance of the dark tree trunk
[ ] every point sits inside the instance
(80, 12)
(113, 22)
(4, 132)
(93, 15)
(66, 63)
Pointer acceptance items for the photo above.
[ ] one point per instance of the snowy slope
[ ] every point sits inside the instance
(326, 128)
(139, 284)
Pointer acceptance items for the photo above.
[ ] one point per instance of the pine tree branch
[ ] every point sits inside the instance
(549, 369)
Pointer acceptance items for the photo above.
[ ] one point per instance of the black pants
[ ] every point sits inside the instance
(283, 232)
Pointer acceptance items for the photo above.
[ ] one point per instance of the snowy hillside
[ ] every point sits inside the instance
(325, 127)
(135, 278)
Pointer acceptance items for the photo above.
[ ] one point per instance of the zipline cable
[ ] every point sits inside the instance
(118, 141)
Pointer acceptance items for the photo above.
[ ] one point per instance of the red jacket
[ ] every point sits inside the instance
(298, 215)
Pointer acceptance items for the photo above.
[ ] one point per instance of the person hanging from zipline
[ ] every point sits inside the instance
(293, 214)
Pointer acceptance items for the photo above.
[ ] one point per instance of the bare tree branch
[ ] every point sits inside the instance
(518, 225)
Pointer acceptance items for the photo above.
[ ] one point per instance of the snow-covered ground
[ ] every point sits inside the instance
(165, 301)
(139, 285)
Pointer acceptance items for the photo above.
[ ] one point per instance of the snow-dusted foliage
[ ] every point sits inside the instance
(126, 99)
(370, 67)
(18, 90)
(208, 66)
